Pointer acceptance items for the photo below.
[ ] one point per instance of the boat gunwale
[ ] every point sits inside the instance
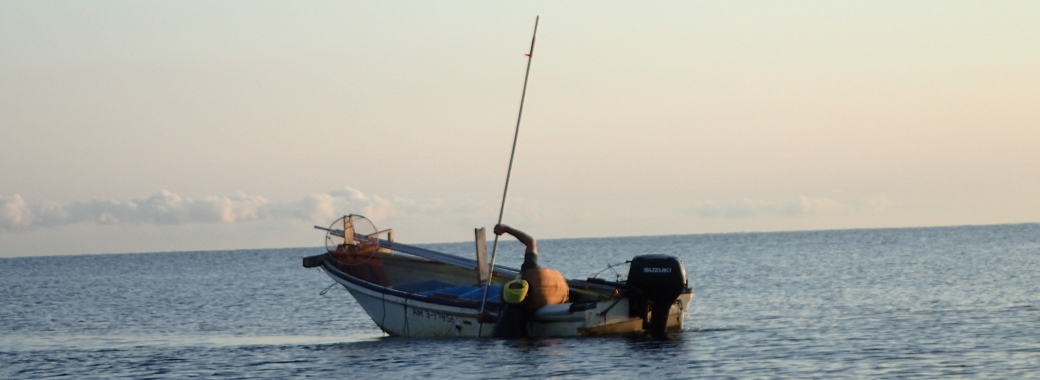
(465, 304)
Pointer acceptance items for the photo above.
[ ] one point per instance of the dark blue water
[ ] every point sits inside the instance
(893, 303)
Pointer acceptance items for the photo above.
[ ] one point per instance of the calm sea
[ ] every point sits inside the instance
(889, 303)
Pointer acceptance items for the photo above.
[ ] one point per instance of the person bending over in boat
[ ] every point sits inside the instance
(545, 286)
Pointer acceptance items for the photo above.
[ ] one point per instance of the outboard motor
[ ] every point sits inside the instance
(654, 283)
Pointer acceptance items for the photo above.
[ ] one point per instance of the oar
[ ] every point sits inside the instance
(494, 250)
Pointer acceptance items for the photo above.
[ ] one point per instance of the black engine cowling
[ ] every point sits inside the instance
(654, 283)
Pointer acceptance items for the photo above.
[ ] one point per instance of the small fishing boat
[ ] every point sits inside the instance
(415, 292)
(410, 291)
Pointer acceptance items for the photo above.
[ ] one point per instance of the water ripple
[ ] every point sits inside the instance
(899, 303)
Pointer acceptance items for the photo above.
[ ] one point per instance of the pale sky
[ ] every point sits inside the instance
(145, 126)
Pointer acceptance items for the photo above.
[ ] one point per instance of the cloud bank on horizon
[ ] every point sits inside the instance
(803, 205)
(166, 208)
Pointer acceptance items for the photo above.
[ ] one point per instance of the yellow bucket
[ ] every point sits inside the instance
(514, 292)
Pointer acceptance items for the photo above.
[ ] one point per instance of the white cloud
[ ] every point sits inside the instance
(167, 208)
(785, 208)
(14, 213)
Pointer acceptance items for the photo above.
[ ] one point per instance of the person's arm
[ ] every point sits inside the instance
(524, 238)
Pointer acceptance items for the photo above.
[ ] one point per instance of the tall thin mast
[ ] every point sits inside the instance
(509, 171)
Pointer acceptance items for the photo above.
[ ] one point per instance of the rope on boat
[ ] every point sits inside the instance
(406, 329)
(611, 267)
(327, 289)
(382, 324)
(604, 313)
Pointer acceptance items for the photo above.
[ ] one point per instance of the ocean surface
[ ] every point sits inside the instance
(958, 302)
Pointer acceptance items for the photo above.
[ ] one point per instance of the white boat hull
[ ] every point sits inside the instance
(408, 315)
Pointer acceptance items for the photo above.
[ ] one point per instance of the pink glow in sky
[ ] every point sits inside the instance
(158, 126)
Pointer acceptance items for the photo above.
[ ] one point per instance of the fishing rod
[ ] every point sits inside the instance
(501, 210)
